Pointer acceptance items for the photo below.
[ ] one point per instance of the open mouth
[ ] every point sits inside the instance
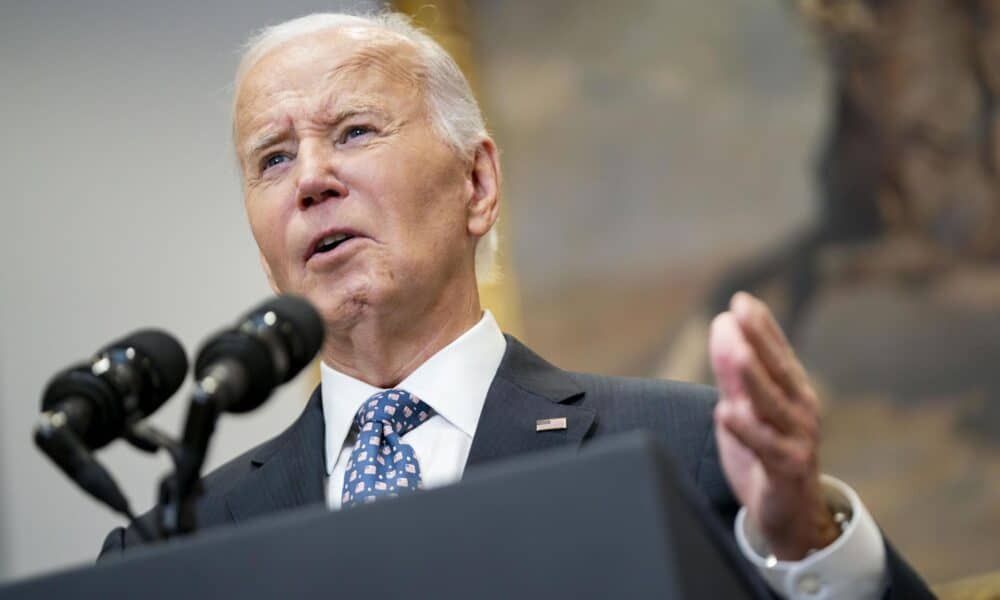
(329, 242)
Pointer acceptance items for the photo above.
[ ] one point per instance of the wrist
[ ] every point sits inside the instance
(853, 566)
(815, 528)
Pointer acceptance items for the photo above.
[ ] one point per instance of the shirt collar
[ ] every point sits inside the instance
(454, 382)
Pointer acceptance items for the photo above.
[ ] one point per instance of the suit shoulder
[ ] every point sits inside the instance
(221, 479)
(679, 414)
(694, 398)
(210, 504)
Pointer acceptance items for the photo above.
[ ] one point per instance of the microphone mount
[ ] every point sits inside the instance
(235, 371)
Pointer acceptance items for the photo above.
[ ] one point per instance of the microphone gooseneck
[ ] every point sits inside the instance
(235, 371)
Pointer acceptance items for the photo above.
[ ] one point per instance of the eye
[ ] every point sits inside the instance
(273, 160)
(355, 131)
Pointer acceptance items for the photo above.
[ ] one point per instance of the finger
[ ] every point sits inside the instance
(740, 373)
(776, 453)
(769, 401)
(765, 336)
(768, 322)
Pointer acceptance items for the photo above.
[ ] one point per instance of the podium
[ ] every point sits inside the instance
(614, 520)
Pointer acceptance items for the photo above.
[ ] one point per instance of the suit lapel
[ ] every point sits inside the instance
(525, 390)
(288, 472)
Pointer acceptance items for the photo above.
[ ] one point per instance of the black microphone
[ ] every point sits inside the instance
(235, 371)
(88, 405)
(125, 381)
(239, 367)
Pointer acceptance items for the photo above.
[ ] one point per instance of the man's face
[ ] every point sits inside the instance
(354, 200)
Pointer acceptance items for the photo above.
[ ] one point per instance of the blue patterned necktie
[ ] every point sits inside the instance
(381, 465)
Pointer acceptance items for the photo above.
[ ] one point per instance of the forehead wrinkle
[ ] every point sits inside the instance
(334, 110)
(250, 131)
(391, 57)
(265, 129)
(372, 80)
(385, 58)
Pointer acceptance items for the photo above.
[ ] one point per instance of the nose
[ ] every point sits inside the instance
(318, 180)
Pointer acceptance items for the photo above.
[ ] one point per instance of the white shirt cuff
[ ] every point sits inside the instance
(853, 566)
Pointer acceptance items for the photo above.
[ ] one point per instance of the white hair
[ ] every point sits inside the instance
(453, 110)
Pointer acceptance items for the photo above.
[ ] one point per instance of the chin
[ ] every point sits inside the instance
(345, 302)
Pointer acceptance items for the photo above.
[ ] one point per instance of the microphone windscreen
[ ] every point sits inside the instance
(270, 343)
(163, 360)
(300, 326)
(91, 404)
(257, 374)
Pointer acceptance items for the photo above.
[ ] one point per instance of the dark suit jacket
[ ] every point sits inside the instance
(288, 471)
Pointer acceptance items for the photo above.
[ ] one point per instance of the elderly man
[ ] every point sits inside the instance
(372, 189)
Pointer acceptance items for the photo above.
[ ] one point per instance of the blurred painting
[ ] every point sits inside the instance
(838, 158)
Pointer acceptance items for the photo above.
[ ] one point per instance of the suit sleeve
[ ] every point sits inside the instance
(903, 582)
(123, 539)
(114, 544)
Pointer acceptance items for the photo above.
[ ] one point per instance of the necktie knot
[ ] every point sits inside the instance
(397, 410)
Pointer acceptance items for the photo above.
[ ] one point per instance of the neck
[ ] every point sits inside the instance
(383, 348)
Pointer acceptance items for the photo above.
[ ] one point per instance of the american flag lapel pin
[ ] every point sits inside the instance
(550, 424)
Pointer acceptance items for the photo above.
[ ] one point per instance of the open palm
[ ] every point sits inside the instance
(767, 429)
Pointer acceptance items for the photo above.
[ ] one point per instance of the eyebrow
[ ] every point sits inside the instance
(270, 138)
(265, 140)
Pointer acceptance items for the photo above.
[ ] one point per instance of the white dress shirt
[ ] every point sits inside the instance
(455, 381)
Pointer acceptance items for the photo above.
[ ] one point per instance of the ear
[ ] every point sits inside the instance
(267, 272)
(484, 175)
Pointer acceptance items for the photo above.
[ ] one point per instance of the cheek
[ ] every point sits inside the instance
(442, 206)
(269, 239)
(417, 205)
(268, 228)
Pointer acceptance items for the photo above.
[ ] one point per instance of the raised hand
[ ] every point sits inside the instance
(767, 429)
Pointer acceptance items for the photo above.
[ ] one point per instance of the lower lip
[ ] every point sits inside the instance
(322, 259)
